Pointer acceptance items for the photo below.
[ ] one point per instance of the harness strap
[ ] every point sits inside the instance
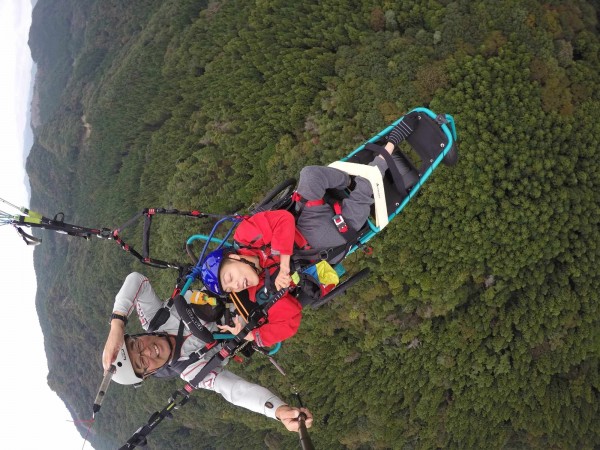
(189, 317)
(320, 254)
(265, 293)
(299, 199)
(338, 219)
(398, 181)
(177, 367)
(178, 342)
(163, 314)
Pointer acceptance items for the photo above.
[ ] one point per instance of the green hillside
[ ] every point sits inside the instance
(480, 325)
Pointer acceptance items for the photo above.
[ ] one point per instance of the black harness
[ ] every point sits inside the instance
(190, 320)
(336, 205)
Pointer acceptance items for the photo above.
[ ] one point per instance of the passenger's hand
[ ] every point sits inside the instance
(238, 325)
(289, 417)
(283, 279)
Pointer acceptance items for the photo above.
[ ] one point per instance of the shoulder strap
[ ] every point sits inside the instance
(178, 341)
(189, 317)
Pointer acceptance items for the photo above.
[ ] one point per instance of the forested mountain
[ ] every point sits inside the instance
(480, 325)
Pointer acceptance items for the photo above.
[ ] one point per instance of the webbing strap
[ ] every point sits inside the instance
(302, 202)
(296, 197)
(377, 149)
(189, 317)
(321, 254)
(338, 219)
(178, 342)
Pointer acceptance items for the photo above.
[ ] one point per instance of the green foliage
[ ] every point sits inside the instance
(479, 325)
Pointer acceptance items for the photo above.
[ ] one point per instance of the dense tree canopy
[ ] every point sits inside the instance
(479, 326)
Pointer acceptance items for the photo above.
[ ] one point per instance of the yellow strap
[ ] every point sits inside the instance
(31, 219)
(33, 214)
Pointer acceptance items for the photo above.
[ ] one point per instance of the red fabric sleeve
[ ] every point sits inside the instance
(284, 321)
(272, 228)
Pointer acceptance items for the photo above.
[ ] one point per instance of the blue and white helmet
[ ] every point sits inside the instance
(210, 271)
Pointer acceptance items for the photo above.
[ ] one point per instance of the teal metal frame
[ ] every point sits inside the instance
(449, 130)
(450, 133)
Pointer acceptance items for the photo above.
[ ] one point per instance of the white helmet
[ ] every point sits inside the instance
(125, 373)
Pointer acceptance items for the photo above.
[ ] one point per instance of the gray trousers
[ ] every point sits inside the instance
(316, 222)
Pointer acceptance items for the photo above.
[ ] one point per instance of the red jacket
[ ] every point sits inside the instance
(267, 235)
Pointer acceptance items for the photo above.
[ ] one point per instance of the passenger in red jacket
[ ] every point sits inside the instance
(267, 241)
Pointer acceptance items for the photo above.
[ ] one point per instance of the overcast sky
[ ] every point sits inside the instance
(32, 416)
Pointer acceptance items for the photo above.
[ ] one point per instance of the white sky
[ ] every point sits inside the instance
(31, 416)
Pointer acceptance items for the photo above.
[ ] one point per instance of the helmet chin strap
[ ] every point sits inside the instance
(251, 264)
